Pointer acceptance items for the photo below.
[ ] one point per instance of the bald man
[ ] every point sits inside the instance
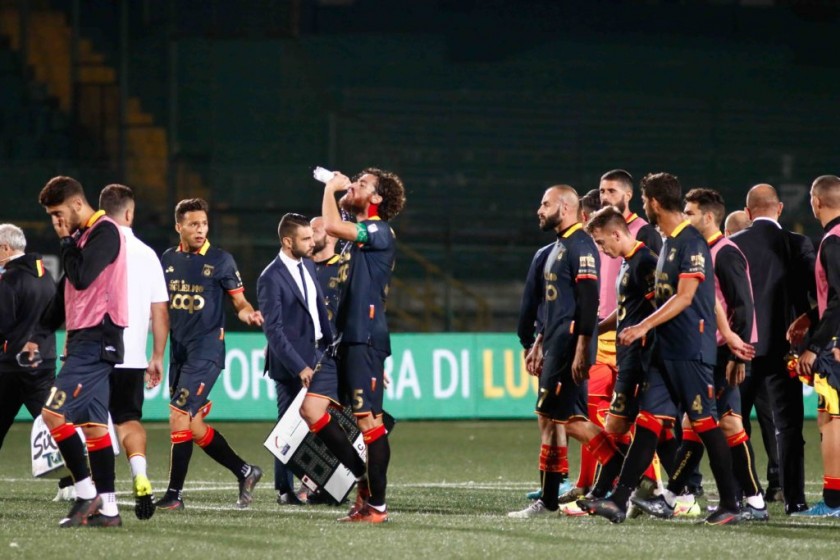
(565, 348)
(735, 222)
(782, 274)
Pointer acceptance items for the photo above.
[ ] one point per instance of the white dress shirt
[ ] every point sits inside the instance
(311, 293)
(771, 220)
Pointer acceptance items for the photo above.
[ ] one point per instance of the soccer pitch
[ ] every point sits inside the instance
(451, 485)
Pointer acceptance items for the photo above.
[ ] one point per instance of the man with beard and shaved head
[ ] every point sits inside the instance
(531, 321)
(373, 197)
(782, 275)
(565, 349)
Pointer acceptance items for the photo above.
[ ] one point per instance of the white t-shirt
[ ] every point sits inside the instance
(146, 286)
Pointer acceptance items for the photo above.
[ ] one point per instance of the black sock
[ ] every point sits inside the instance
(65, 481)
(336, 441)
(221, 452)
(638, 458)
(720, 460)
(667, 452)
(379, 455)
(550, 489)
(743, 467)
(73, 451)
(623, 448)
(178, 466)
(831, 497)
(687, 458)
(102, 467)
(607, 475)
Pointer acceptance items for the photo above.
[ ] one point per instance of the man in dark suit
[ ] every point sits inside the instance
(782, 275)
(298, 330)
(737, 221)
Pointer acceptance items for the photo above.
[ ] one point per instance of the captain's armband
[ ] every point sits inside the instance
(362, 235)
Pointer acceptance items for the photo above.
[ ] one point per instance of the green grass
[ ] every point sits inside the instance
(451, 484)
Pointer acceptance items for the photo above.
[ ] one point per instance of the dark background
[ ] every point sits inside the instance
(478, 105)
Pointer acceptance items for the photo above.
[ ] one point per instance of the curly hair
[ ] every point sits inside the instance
(390, 187)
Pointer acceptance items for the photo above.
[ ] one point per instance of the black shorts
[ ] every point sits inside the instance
(361, 369)
(324, 384)
(127, 394)
(625, 400)
(728, 397)
(560, 398)
(632, 362)
(190, 384)
(82, 390)
(679, 385)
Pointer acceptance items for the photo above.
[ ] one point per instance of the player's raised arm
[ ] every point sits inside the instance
(333, 223)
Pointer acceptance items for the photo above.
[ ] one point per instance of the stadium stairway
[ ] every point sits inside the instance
(97, 103)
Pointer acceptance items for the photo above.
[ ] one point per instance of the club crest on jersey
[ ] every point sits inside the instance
(561, 252)
(207, 271)
(672, 255)
(169, 269)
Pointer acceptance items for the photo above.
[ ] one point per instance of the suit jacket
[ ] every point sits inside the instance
(287, 323)
(782, 277)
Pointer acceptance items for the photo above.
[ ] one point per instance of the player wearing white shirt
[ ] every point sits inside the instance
(148, 299)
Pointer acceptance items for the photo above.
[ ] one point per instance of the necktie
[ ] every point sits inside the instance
(303, 283)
